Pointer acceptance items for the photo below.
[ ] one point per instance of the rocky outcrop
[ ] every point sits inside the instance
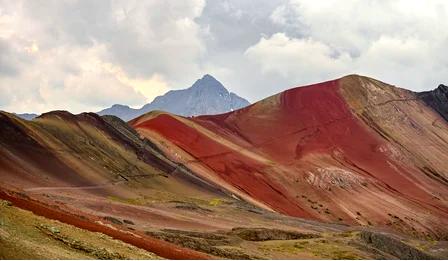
(99, 253)
(264, 234)
(204, 242)
(437, 99)
(393, 246)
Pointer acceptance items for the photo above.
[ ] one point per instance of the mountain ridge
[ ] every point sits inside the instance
(339, 142)
(437, 99)
(354, 162)
(27, 116)
(206, 96)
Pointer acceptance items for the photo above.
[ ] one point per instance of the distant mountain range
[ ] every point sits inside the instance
(206, 96)
(27, 116)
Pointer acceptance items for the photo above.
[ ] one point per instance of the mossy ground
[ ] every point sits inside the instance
(329, 246)
(230, 244)
(24, 235)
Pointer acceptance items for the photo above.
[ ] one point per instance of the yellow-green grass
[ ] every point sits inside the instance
(24, 235)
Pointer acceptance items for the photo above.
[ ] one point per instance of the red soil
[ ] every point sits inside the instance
(286, 128)
(316, 119)
(161, 248)
(233, 167)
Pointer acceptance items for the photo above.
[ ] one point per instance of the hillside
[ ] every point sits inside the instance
(352, 150)
(96, 174)
(333, 170)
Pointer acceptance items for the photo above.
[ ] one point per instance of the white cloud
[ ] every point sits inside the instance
(67, 78)
(354, 24)
(300, 59)
(84, 56)
(400, 42)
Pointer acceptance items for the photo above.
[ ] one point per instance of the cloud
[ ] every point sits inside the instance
(234, 25)
(229, 28)
(80, 55)
(395, 41)
(303, 59)
(78, 82)
(86, 55)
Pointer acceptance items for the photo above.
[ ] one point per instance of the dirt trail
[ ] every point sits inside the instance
(111, 184)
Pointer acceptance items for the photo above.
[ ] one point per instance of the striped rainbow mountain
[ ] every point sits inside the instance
(351, 154)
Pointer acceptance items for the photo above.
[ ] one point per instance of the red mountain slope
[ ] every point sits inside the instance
(352, 150)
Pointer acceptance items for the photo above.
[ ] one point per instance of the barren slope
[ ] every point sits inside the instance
(337, 158)
(352, 150)
(98, 175)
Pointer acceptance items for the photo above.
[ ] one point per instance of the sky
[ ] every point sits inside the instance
(89, 55)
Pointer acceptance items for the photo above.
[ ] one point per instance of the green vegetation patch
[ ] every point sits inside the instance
(320, 248)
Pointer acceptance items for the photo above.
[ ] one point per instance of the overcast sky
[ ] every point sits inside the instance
(87, 55)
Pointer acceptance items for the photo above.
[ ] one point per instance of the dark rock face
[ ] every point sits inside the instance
(147, 151)
(393, 246)
(113, 220)
(263, 234)
(437, 99)
(204, 242)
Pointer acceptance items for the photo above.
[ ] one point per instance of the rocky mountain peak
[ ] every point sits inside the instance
(443, 88)
(119, 106)
(206, 96)
(208, 82)
(437, 99)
